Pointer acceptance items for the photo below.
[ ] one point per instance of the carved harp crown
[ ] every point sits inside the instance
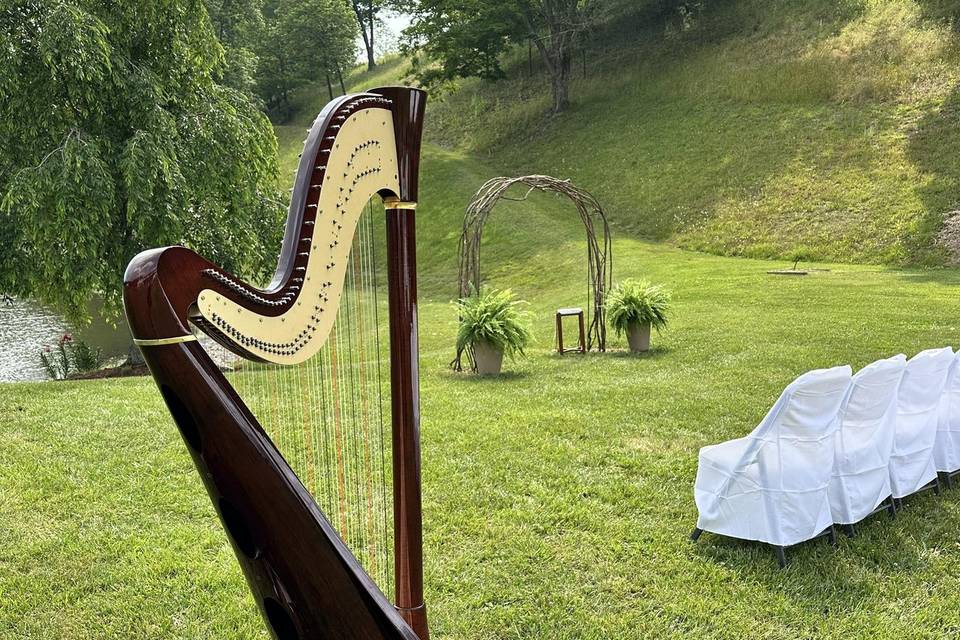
(306, 581)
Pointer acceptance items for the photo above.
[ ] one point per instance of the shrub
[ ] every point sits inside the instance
(84, 357)
(69, 356)
(637, 302)
(492, 316)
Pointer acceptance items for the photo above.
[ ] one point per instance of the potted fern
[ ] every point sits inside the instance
(491, 325)
(633, 307)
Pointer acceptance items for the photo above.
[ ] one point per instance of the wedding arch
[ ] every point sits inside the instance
(599, 246)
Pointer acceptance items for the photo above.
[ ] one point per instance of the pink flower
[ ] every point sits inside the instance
(46, 348)
(67, 337)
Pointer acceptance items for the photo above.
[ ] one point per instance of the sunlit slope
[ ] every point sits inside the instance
(763, 128)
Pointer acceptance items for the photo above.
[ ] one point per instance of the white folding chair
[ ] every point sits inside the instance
(915, 428)
(860, 483)
(946, 450)
(771, 486)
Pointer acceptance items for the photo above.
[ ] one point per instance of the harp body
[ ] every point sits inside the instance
(305, 580)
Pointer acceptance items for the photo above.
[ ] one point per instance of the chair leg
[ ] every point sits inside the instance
(696, 534)
(832, 536)
(892, 507)
(849, 530)
(781, 556)
(948, 480)
(936, 485)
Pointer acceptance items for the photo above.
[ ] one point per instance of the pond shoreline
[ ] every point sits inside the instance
(121, 371)
(27, 327)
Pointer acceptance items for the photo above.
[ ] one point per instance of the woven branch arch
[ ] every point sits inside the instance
(599, 253)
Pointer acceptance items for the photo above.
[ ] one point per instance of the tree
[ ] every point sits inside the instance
(306, 41)
(115, 137)
(563, 21)
(365, 11)
(460, 38)
(275, 77)
(238, 25)
(327, 28)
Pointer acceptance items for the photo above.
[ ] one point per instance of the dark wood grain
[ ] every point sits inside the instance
(408, 109)
(405, 399)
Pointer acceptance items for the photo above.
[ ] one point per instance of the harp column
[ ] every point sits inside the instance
(408, 108)
(405, 399)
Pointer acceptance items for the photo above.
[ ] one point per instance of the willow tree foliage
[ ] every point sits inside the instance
(114, 137)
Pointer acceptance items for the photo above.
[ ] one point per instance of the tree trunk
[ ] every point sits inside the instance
(557, 60)
(367, 37)
(326, 74)
(371, 63)
(561, 82)
(343, 89)
(366, 44)
(284, 96)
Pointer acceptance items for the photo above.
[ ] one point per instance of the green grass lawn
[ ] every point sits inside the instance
(558, 498)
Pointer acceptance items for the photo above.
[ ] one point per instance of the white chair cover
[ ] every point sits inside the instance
(772, 485)
(864, 440)
(946, 451)
(915, 431)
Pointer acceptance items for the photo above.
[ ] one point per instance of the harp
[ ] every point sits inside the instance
(306, 579)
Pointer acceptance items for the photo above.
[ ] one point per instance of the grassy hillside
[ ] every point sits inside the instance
(766, 127)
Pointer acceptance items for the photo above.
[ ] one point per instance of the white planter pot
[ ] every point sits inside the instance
(488, 358)
(638, 337)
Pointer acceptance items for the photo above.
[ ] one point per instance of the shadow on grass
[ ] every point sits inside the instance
(593, 356)
(815, 578)
(475, 378)
(819, 576)
(932, 148)
(945, 277)
(655, 353)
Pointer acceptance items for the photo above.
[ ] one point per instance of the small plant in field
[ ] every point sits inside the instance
(799, 254)
(493, 318)
(639, 303)
(69, 356)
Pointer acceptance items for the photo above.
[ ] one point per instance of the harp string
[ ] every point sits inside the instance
(326, 415)
(383, 509)
(365, 410)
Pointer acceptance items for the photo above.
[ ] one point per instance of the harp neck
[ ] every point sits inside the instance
(360, 145)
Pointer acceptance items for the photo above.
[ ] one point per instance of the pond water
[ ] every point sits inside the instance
(26, 327)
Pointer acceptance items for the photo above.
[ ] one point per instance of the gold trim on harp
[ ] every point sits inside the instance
(157, 342)
(397, 203)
